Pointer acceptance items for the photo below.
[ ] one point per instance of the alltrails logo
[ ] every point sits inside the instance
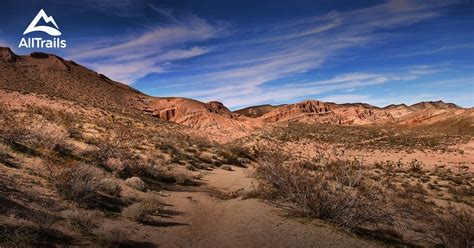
(38, 42)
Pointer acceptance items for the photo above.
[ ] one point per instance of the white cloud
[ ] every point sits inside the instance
(243, 71)
(132, 58)
(445, 48)
(254, 96)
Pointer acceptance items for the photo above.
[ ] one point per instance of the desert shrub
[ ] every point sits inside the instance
(135, 212)
(77, 182)
(453, 227)
(156, 170)
(47, 135)
(415, 166)
(74, 132)
(110, 186)
(231, 158)
(84, 220)
(241, 151)
(151, 202)
(136, 183)
(337, 191)
(411, 191)
(115, 164)
(139, 211)
(107, 150)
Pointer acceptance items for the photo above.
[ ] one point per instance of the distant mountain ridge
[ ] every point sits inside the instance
(51, 75)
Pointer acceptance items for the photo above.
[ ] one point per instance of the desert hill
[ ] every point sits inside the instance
(256, 111)
(48, 74)
(312, 111)
(51, 75)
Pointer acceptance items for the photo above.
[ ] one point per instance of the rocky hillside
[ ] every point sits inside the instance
(50, 75)
(313, 111)
(256, 111)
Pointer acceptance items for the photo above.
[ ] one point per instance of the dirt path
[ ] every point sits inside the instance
(199, 219)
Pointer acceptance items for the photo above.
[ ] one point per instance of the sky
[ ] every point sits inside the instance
(246, 53)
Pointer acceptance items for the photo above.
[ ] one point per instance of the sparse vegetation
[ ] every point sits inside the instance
(139, 211)
(110, 187)
(353, 195)
(404, 138)
(77, 182)
(136, 183)
(453, 227)
(337, 191)
(84, 220)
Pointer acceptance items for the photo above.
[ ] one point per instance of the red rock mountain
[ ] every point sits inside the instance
(50, 75)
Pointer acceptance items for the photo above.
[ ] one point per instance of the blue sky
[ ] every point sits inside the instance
(245, 53)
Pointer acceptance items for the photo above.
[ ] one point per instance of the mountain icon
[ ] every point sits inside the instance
(47, 19)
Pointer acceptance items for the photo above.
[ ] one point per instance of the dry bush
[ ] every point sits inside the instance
(135, 212)
(415, 166)
(108, 150)
(46, 135)
(115, 164)
(84, 220)
(337, 191)
(138, 211)
(156, 170)
(115, 147)
(136, 183)
(151, 199)
(241, 151)
(110, 187)
(231, 158)
(453, 227)
(75, 132)
(411, 191)
(77, 182)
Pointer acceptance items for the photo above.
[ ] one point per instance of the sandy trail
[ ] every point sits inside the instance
(199, 219)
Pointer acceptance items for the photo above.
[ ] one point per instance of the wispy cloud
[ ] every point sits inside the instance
(440, 49)
(252, 65)
(287, 92)
(132, 58)
(123, 8)
(243, 72)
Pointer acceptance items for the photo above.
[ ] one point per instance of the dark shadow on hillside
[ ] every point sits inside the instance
(132, 243)
(107, 203)
(169, 213)
(157, 223)
(23, 236)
